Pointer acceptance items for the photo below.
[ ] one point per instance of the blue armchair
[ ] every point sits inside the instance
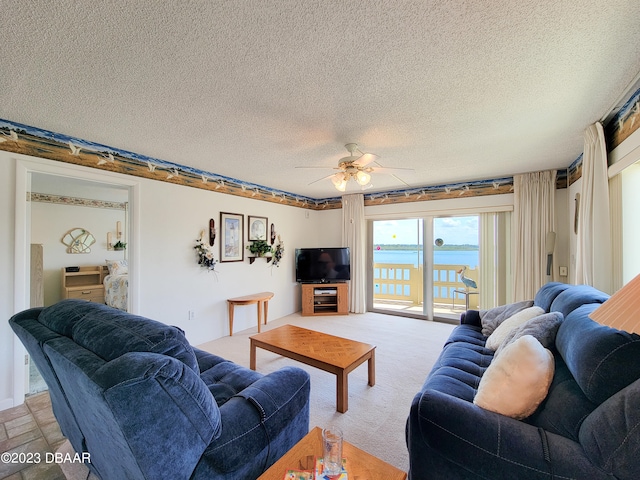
(145, 404)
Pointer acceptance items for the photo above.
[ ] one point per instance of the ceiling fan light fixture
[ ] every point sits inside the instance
(363, 178)
(339, 181)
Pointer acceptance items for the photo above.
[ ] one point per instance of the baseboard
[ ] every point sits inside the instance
(6, 404)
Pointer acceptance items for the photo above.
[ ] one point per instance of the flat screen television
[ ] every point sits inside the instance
(322, 265)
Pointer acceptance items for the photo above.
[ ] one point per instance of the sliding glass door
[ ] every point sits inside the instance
(398, 259)
(441, 286)
(455, 265)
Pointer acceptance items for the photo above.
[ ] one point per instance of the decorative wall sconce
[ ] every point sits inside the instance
(110, 244)
(212, 232)
(273, 234)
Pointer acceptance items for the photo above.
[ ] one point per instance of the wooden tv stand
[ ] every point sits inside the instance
(325, 299)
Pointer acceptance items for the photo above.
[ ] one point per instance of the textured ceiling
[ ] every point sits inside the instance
(457, 90)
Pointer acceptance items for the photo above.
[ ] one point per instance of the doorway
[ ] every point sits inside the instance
(26, 168)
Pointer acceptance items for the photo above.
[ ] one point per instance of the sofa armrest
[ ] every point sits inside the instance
(259, 425)
(452, 438)
(471, 317)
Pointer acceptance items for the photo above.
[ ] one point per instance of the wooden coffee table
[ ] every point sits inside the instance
(360, 464)
(327, 352)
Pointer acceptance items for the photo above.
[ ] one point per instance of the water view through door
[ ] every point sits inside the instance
(404, 283)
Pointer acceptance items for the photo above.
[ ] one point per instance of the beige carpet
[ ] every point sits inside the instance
(375, 421)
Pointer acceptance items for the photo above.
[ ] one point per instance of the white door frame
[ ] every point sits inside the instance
(25, 166)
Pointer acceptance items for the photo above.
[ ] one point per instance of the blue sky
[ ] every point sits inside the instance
(453, 230)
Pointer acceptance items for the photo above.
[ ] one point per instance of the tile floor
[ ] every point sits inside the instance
(30, 428)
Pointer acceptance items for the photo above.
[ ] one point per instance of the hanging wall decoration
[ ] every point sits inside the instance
(212, 232)
(232, 230)
(78, 240)
(206, 259)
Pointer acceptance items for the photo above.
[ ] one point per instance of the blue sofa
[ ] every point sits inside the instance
(588, 426)
(145, 404)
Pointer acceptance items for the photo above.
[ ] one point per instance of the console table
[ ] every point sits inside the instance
(262, 299)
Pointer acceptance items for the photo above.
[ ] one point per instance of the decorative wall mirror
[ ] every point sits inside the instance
(78, 240)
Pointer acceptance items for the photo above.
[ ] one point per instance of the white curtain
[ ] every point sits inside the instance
(593, 250)
(534, 217)
(354, 237)
(488, 261)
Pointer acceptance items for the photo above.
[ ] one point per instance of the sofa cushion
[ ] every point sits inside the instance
(543, 328)
(110, 333)
(226, 379)
(576, 296)
(518, 380)
(511, 323)
(467, 334)
(610, 436)
(548, 293)
(490, 319)
(565, 407)
(603, 360)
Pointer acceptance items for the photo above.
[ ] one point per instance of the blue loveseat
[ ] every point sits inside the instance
(145, 404)
(587, 427)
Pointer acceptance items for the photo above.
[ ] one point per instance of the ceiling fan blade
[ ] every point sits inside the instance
(365, 159)
(334, 168)
(399, 179)
(320, 179)
(391, 171)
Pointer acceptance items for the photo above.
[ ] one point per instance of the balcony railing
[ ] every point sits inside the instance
(403, 283)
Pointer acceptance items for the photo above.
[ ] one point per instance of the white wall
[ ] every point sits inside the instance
(170, 281)
(563, 229)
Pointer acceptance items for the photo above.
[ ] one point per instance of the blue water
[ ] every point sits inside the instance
(461, 257)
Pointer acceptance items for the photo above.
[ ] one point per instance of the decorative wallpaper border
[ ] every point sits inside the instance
(27, 140)
(75, 201)
(624, 123)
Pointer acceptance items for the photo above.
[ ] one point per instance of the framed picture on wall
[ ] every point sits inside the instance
(257, 228)
(231, 229)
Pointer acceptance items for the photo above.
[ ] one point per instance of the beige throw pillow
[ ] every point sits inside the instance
(514, 321)
(518, 381)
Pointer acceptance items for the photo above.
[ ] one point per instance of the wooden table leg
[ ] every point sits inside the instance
(230, 319)
(252, 355)
(342, 391)
(372, 369)
(259, 314)
(266, 310)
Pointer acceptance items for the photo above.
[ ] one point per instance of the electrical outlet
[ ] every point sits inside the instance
(192, 315)
(563, 271)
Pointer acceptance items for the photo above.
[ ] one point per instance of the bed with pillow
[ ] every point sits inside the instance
(116, 284)
(531, 390)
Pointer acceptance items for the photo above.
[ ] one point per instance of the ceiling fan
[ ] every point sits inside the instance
(358, 166)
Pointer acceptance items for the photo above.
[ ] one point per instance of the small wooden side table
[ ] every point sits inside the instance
(360, 464)
(262, 299)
